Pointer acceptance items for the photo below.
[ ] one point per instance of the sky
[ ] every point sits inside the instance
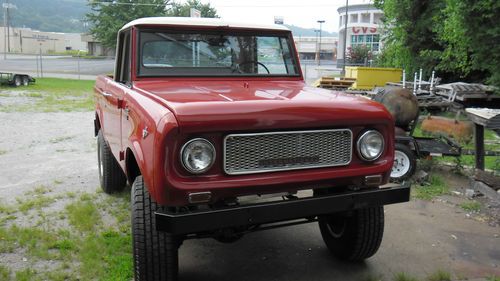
(294, 12)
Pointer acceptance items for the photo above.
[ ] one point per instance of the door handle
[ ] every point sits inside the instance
(106, 94)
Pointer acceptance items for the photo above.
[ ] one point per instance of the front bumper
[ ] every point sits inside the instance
(270, 212)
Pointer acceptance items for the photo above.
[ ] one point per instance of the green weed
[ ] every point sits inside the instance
(437, 187)
(108, 255)
(83, 215)
(4, 273)
(404, 277)
(471, 206)
(26, 275)
(33, 95)
(36, 202)
(440, 276)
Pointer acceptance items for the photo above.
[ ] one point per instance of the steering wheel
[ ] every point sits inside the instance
(237, 68)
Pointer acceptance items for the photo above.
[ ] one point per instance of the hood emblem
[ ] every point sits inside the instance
(145, 132)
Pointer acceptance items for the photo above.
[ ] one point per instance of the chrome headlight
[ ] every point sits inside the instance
(370, 145)
(197, 156)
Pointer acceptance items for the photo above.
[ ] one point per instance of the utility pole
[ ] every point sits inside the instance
(8, 24)
(5, 30)
(345, 36)
(316, 49)
(319, 47)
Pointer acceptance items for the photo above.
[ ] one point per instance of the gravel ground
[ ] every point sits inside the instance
(40, 148)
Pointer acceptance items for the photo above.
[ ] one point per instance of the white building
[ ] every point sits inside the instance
(309, 47)
(29, 41)
(363, 28)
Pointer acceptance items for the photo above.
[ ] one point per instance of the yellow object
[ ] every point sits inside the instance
(368, 78)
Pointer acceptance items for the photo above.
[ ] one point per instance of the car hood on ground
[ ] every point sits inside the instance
(211, 106)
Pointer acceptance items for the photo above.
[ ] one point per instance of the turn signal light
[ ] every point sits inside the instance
(199, 197)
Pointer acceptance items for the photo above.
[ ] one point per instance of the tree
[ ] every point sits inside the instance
(481, 27)
(183, 10)
(409, 29)
(359, 54)
(107, 17)
(458, 38)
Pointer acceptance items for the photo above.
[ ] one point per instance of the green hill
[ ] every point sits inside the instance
(68, 16)
(49, 15)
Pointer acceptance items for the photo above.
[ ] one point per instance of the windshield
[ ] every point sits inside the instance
(210, 54)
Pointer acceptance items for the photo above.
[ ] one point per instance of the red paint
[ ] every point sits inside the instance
(364, 30)
(175, 110)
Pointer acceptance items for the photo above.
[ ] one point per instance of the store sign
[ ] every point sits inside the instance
(363, 30)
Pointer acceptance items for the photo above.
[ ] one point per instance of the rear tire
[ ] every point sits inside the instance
(17, 81)
(111, 175)
(26, 81)
(155, 253)
(353, 236)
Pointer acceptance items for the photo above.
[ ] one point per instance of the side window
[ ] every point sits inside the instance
(123, 75)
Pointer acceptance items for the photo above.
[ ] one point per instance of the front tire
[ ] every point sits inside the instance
(155, 253)
(355, 235)
(111, 175)
(404, 164)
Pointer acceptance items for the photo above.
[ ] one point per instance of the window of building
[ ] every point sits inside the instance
(353, 18)
(365, 18)
(370, 40)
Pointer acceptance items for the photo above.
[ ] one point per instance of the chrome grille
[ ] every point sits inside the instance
(278, 151)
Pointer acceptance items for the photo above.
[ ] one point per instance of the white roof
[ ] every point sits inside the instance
(200, 22)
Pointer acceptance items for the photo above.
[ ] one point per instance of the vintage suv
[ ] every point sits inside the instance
(214, 128)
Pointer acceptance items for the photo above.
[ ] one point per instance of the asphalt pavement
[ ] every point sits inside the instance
(72, 67)
(420, 238)
(57, 66)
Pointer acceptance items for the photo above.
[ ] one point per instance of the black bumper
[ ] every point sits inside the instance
(269, 212)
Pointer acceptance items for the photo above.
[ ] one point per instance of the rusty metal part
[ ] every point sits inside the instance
(459, 130)
(399, 132)
(401, 103)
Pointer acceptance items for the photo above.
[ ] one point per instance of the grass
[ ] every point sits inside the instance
(83, 215)
(440, 276)
(54, 95)
(94, 252)
(37, 201)
(471, 206)
(4, 273)
(402, 276)
(493, 278)
(114, 249)
(25, 275)
(437, 186)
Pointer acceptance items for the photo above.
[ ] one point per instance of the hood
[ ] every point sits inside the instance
(216, 106)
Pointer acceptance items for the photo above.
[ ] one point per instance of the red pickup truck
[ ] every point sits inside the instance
(212, 125)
